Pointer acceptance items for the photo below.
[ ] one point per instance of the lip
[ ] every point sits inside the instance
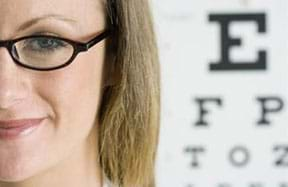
(12, 129)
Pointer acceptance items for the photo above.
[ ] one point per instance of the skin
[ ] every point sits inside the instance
(63, 151)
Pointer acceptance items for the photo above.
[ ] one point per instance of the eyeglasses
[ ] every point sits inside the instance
(44, 52)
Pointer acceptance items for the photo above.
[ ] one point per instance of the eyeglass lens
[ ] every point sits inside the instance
(42, 52)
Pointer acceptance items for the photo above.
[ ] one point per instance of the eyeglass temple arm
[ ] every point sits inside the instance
(97, 39)
(114, 22)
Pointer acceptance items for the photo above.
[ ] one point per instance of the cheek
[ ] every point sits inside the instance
(73, 94)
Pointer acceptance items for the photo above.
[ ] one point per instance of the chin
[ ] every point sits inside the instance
(15, 173)
(18, 170)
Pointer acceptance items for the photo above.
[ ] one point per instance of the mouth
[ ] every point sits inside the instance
(12, 129)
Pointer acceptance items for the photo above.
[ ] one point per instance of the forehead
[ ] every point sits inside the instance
(37, 6)
(14, 12)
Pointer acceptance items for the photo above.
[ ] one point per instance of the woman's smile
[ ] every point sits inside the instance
(13, 129)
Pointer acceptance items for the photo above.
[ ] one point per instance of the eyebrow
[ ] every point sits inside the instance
(45, 17)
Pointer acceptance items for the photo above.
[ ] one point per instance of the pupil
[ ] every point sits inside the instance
(45, 42)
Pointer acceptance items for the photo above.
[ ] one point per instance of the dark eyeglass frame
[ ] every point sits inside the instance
(78, 47)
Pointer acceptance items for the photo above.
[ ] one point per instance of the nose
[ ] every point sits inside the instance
(12, 87)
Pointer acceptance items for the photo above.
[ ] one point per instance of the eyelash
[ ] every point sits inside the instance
(35, 45)
(45, 33)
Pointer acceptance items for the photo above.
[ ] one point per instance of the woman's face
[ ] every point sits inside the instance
(67, 98)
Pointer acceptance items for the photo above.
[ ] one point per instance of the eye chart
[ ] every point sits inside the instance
(224, 67)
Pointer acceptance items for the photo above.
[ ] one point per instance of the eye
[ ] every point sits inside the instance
(43, 44)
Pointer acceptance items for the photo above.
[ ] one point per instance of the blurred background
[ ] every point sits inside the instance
(224, 93)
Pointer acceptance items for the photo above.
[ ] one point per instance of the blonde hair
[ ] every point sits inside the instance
(129, 113)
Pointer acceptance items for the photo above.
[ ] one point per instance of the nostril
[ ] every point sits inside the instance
(12, 89)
